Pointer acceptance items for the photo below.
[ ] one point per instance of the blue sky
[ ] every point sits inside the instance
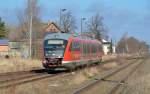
(120, 16)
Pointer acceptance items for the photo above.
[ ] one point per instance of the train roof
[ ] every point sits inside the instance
(64, 36)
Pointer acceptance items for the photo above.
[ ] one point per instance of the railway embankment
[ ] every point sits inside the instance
(66, 84)
(18, 64)
(63, 85)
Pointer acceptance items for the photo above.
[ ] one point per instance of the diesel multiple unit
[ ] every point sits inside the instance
(69, 51)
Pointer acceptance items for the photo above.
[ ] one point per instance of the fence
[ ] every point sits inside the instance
(10, 54)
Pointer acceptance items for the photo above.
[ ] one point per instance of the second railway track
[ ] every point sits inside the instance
(110, 82)
(17, 78)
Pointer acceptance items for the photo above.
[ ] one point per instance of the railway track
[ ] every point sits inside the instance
(111, 80)
(123, 80)
(17, 78)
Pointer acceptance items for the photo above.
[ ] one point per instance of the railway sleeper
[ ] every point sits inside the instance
(114, 81)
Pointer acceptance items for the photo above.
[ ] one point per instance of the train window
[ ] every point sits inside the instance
(95, 49)
(86, 45)
(88, 48)
(84, 48)
(99, 48)
(92, 48)
(75, 46)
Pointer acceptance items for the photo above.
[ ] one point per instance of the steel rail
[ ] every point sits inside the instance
(98, 80)
(23, 80)
(34, 77)
(18, 78)
(116, 86)
(22, 72)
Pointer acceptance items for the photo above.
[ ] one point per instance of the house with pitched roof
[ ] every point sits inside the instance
(52, 28)
(4, 45)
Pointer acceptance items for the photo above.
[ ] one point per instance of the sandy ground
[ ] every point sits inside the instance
(139, 82)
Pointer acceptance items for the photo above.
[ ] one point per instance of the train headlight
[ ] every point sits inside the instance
(59, 56)
(46, 54)
(44, 61)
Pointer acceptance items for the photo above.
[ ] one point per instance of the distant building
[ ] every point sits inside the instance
(19, 48)
(4, 45)
(106, 47)
(52, 28)
(12, 48)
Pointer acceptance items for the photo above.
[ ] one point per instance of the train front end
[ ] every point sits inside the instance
(54, 49)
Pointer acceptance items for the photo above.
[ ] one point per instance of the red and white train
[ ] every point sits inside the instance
(69, 51)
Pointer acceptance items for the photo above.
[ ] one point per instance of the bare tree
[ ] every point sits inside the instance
(13, 33)
(24, 23)
(24, 19)
(36, 21)
(134, 46)
(122, 46)
(68, 22)
(96, 27)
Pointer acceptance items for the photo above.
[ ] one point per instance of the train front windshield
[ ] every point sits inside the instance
(54, 48)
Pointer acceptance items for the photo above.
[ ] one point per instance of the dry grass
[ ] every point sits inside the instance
(79, 78)
(29, 88)
(17, 64)
(139, 82)
(109, 57)
(35, 88)
(58, 85)
(111, 65)
(138, 86)
(84, 75)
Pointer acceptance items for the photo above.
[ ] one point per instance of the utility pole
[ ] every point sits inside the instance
(82, 19)
(126, 43)
(93, 36)
(30, 28)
